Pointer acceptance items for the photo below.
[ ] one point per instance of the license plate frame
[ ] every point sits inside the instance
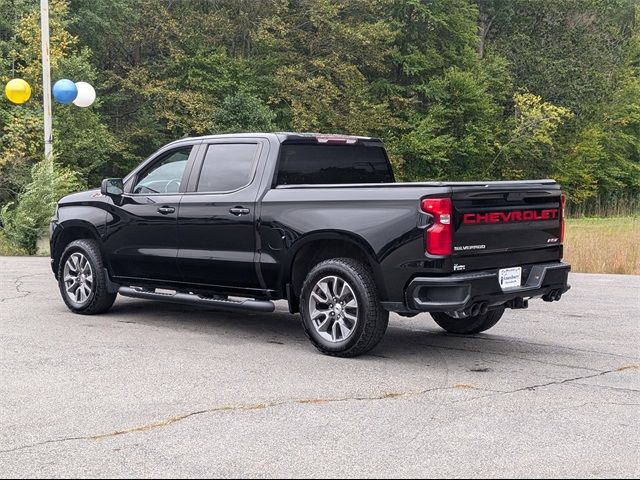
(510, 278)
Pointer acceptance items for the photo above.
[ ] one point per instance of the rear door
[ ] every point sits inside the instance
(216, 221)
(502, 224)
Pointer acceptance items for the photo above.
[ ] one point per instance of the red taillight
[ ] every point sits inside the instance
(438, 236)
(563, 202)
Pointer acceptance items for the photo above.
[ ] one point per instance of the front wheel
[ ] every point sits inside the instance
(340, 308)
(81, 278)
(469, 325)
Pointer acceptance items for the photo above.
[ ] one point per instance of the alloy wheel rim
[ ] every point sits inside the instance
(78, 278)
(333, 309)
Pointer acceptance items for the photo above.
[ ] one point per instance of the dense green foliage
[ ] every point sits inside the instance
(458, 89)
(22, 225)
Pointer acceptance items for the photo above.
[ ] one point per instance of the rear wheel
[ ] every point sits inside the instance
(81, 278)
(340, 308)
(468, 325)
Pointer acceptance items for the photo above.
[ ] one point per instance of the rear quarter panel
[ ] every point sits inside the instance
(385, 221)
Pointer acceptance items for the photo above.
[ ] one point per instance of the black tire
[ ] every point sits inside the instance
(469, 325)
(372, 319)
(99, 300)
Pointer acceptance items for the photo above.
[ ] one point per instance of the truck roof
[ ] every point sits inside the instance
(286, 137)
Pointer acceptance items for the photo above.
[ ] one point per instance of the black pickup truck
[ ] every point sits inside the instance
(238, 221)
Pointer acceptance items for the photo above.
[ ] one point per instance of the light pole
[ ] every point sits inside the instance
(46, 79)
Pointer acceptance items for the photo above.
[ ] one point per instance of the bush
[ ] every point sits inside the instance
(26, 221)
(7, 248)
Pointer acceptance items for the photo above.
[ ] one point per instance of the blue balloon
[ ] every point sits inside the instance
(65, 91)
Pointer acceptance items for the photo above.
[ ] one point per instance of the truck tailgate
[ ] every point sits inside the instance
(491, 220)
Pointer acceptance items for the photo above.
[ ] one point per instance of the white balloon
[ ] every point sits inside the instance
(86, 95)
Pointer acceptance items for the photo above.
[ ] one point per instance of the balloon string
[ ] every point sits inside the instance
(15, 36)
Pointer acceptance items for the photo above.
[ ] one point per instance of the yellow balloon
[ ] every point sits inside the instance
(17, 91)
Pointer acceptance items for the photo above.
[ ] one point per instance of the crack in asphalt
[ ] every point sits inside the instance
(619, 389)
(17, 283)
(532, 388)
(321, 401)
(576, 379)
(582, 405)
(241, 408)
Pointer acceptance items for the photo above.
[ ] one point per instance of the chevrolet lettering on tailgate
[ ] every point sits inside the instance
(515, 216)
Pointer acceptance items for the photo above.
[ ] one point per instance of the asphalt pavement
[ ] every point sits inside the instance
(159, 390)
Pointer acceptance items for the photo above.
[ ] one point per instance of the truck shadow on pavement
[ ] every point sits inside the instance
(424, 341)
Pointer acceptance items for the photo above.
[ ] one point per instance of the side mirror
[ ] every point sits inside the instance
(112, 187)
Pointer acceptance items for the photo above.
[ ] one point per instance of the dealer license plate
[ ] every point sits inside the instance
(510, 277)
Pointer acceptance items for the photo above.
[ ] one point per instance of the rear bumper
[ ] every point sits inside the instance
(460, 291)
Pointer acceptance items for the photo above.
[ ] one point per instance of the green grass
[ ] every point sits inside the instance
(603, 245)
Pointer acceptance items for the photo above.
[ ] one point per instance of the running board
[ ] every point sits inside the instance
(264, 306)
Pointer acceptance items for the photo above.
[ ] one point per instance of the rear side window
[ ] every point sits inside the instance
(227, 167)
(327, 164)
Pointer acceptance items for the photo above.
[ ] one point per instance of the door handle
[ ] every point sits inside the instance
(239, 211)
(166, 210)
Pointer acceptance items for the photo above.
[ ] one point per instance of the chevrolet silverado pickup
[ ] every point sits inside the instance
(239, 221)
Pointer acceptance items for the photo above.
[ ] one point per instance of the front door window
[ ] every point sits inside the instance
(165, 175)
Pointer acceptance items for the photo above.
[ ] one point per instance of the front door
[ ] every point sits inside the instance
(143, 231)
(216, 222)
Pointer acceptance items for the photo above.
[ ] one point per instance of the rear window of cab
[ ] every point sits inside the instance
(313, 164)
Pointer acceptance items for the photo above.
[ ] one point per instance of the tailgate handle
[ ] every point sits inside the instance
(515, 196)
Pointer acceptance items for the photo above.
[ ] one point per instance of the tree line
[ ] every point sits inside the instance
(457, 89)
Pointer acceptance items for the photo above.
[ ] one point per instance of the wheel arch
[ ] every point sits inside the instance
(319, 246)
(66, 233)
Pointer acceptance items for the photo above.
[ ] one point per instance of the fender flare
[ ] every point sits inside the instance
(329, 235)
(66, 225)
